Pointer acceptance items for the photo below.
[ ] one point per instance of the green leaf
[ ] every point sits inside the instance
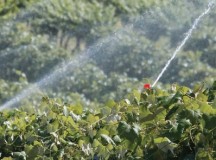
(206, 108)
(123, 128)
(31, 151)
(203, 154)
(102, 131)
(184, 122)
(30, 137)
(107, 139)
(7, 158)
(105, 111)
(77, 109)
(131, 116)
(208, 121)
(183, 89)
(75, 117)
(145, 114)
(110, 146)
(52, 127)
(70, 121)
(128, 144)
(202, 97)
(200, 139)
(198, 87)
(117, 139)
(214, 85)
(37, 143)
(92, 119)
(137, 95)
(136, 129)
(19, 155)
(151, 99)
(102, 151)
(54, 147)
(96, 143)
(80, 143)
(110, 103)
(65, 111)
(172, 112)
(139, 152)
(186, 99)
(164, 144)
(127, 101)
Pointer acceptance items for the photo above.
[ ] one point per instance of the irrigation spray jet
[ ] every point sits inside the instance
(188, 35)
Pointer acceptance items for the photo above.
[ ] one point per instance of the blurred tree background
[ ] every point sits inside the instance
(124, 42)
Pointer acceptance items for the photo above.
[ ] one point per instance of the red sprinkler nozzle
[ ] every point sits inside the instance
(147, 86)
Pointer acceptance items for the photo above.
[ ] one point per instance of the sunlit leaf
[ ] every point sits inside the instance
(117, 139)
(91, 118)
(96, 143)
(7, 158)
(203, 154)
(136, 94)
(65, 111)
(110, 103)
(164, 144)
(19, 155)
(108, 139)
(75, 116)
(206, 108)
(202, 97)
(127, 101)
(77, 109)
(136, 128)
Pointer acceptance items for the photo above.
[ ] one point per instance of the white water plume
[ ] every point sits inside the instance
(82, 59)
(188, 35)
(77, 61)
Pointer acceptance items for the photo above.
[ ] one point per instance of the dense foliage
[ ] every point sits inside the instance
(153, 124)
(83, 53)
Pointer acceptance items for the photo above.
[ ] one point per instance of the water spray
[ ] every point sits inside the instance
(83, 58)
(188, 35)
(77, 61)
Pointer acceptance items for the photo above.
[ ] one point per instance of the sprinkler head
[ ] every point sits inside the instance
(147, 86)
